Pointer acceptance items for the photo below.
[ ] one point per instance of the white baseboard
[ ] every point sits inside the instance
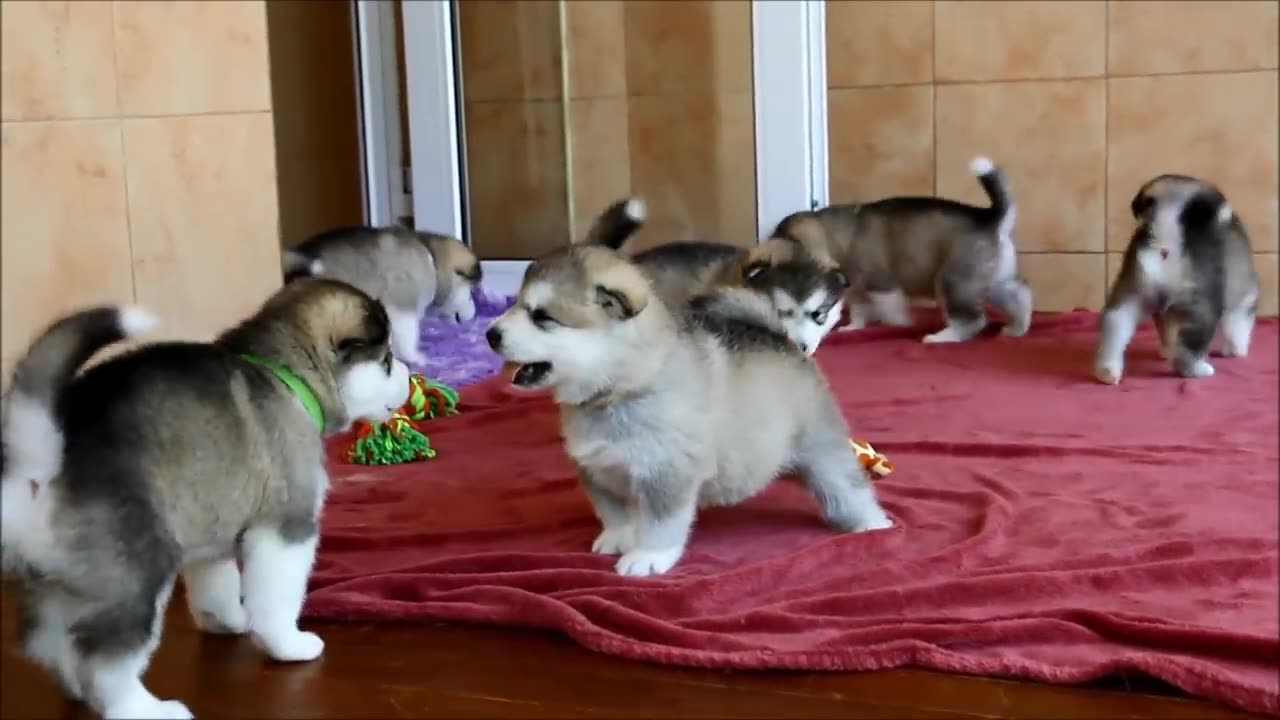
(502, 277)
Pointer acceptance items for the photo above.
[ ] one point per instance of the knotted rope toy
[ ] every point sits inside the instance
(877, 465)
(400, 439)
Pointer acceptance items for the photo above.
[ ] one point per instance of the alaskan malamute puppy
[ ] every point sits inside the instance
(900, 248)
(660, 406)
(1189, 267)
(808, 291)
(161, 461)
(410, 272)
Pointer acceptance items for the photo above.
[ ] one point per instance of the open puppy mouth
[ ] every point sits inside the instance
(529, 375)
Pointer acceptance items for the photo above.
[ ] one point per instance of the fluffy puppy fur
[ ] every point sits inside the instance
(900, 248)
(1188, 266)
(807, 291)
(410, 272)
(658, 404)
(162, 461)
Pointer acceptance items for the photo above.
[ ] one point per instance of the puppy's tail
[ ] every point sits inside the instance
(618, 223)
(996, 183)
(297, 265)
(30, 436)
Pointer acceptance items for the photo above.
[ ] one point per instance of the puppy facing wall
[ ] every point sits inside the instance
(410, 272)
(161, 461)
(900, 248)
(807, 291)
(1189, 266)
(659, 404)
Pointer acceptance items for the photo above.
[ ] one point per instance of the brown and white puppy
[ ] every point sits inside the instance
(900, 248)
(410, 272)
(659, 404)
(807, 291)
(166, 461)
(1188, 266)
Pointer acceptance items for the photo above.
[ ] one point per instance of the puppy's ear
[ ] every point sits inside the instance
(621, 303)
(839, 278)
(1140, 204)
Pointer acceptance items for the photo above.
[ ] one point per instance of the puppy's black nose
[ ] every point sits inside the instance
(494, 336)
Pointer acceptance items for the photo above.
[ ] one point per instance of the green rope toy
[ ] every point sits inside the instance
(399, 439)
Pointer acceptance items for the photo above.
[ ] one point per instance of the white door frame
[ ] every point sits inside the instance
(789, 68)
(377, 81)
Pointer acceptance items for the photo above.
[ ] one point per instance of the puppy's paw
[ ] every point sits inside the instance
(295, 646)
(147, 707)
(1195, 369)
(1108, 374)
(948, 334)
(1233, 350)
(869, 519)
(1015, 330)
(614, 541)
(642, 563)
(231, 620)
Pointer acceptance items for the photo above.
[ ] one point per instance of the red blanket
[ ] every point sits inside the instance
(1048, 527)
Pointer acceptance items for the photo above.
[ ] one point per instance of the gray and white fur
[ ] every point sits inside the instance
(903, 248)
(807, 292)
(410, 272)
(659, 404)
(1189, 267)
(166, 461)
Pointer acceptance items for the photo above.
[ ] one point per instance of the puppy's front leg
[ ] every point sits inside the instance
(277, 562)
(845, 494)
(1119, 321)
(618, 534)
(664, 515)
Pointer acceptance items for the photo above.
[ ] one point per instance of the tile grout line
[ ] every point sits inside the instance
(163, 116)
(124, 157)
(1065, 78)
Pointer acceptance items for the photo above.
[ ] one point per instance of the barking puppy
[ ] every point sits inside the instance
(409, 271)
(161, 461)
(658, 404)
(807, 291)
(900, 248)
(1190, 267)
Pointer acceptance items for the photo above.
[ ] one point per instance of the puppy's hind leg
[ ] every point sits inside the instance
(213, 596)
(47, 615)
(1237, 328)
(962, 308)
(663, 519)
(115, 642)
(1190, 356)
(1013, 297)
(1119, 322)
(831, 469)
(277, 563)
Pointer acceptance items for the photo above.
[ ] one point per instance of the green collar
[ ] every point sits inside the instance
(299, 386)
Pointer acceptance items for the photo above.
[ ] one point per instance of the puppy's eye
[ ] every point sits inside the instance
(541, 318)
(818, 316)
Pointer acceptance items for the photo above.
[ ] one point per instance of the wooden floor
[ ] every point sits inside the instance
(386, 671)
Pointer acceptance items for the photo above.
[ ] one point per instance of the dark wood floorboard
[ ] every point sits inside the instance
(439, 671)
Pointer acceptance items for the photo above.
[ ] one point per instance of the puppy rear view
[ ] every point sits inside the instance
(1189, 266)
(161, 461)
(659, 405)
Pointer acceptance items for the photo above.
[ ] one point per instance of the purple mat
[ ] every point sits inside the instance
(457, 354)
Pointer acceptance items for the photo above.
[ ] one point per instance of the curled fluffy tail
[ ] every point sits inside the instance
(297, 265)
(996, 183)
(617, 223)
(29, 431)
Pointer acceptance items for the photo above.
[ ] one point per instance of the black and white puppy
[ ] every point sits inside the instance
(1189, 266)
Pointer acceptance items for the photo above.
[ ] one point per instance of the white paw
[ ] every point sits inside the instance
(148, 709)
(295, 646)
(1014, 330)
(641, 563)
(1200, 369)
(945, 335)
(231, 620)
(877, 521)
(1230, 349)
(1108, 374)
(614, 541)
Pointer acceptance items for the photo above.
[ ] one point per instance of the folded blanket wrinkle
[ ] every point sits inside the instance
(1047, 527)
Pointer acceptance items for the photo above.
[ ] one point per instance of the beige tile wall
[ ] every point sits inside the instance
(658, 103)
(1081, 101)
(137, 162)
